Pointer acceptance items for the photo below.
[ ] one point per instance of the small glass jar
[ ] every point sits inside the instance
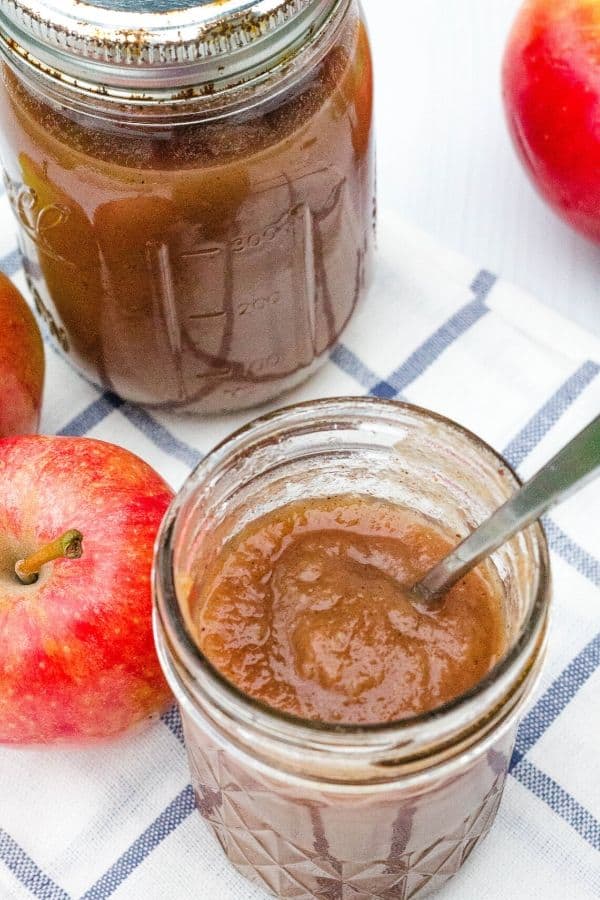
(310, 810)
(193, 182)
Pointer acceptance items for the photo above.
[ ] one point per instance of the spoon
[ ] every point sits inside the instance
(570, 470)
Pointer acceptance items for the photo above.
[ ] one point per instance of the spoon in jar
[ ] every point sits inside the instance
(569, 471)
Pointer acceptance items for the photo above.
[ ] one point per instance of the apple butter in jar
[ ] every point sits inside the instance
(193, 182)
(344, 739)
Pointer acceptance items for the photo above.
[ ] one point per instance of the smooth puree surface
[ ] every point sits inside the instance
(305, 610)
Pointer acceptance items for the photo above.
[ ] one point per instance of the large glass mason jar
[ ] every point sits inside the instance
(310, 810)
(194, 186)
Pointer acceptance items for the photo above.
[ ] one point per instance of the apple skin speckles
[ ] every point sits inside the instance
(77, 658)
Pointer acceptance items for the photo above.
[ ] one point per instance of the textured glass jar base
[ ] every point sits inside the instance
(312, 843)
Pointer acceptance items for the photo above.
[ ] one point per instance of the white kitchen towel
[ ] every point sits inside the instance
(119, 821)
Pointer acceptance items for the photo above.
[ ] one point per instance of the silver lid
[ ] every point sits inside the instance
(157, 44)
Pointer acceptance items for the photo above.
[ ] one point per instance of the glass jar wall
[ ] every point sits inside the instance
(195, 238)
(315, 810)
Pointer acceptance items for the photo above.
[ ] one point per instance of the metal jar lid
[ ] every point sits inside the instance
(114, 47)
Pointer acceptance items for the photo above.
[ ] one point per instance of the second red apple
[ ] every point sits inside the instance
(552, 96)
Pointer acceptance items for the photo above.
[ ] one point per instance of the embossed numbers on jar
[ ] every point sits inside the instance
(264, 303)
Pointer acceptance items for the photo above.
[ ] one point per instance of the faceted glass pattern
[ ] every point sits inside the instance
(345, 843)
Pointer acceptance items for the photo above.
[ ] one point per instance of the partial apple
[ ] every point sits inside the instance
(551, 81)
(21, 364)
(78, 520)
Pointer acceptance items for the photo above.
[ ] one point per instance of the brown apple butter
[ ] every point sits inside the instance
(280, 577)
(197, 260)
(306, 610)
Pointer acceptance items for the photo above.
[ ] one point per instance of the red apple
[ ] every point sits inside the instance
(21, 364)
(77, 659)
(552, 97)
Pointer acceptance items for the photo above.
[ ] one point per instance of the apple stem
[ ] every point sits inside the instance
(68, 546)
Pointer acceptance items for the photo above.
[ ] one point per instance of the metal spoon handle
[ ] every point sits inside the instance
(570, 470)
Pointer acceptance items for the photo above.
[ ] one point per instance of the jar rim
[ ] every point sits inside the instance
(168, 610)
(198, 51)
